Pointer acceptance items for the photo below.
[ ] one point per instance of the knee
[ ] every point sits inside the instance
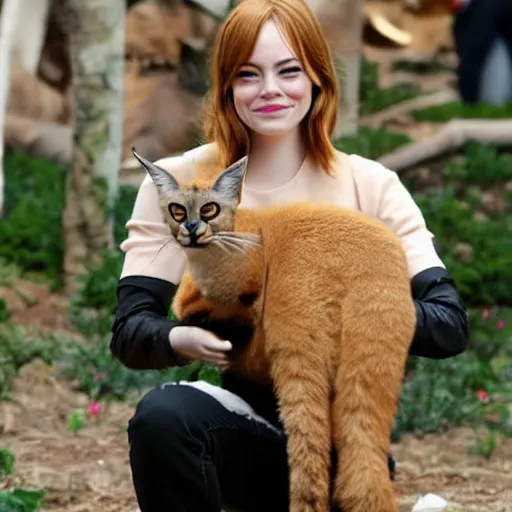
(160, 416)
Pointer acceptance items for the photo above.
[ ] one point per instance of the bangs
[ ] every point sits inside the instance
(233, 48)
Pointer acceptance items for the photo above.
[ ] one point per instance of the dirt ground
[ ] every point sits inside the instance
(89, 472)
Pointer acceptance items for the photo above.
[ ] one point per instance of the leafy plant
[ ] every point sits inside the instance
(441, 394)
(21, 500)
(471, 235)
(459, 110)
(20, 345)
(373, 97)
(92, 307)
(31, 231)
(123, 210)
(95, 371)
(481, 165)
(423, 67)
(371, 142)
(16, 499)
(4, 312)
(7, 460)
(76, 421)
(472, 389)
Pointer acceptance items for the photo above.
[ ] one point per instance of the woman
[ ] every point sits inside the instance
(274, 96)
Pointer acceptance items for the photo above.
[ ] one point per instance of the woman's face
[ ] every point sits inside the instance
(272, 93)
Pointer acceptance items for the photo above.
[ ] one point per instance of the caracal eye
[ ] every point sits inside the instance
(209, 211)
(178, 212)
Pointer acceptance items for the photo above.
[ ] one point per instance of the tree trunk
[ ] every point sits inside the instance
(8, 27)
(22, 30)
(342, 22)
(31, 34)
(96, 37)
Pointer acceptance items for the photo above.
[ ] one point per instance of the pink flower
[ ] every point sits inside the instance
(94, 409)
(482, 396)
(501, 324)
(486, 313)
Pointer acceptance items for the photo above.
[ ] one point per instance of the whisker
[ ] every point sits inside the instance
(252, 241)
(241, 243)
(242, 239)
(243, 236)
(161, 248)
(219, 242)
(232, 245)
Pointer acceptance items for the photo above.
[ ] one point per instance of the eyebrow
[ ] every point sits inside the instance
(278, 63)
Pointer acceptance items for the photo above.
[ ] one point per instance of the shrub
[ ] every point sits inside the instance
(31, 232)
(473, 232)
(16, 499)
(459, 110)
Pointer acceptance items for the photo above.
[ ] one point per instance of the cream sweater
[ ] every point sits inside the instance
(358, 183)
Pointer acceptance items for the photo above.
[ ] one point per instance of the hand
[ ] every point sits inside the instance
(195, 343)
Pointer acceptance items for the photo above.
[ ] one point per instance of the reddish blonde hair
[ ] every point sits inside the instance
(233, 47)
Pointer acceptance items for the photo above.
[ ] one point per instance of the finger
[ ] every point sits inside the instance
(215, 357)
(218, 345)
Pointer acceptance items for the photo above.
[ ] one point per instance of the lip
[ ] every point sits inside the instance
(269, 109)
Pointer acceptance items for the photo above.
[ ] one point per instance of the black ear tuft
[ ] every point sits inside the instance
(159, 176)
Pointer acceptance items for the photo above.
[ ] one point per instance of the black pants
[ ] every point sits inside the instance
(190, 453)
(475, 29)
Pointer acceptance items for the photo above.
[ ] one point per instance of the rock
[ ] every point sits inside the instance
(493, 202)
(464, 252)
(430, 503)
(480, 217)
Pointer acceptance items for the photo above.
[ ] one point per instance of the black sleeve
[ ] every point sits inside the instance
(442, 325)
(140, 332)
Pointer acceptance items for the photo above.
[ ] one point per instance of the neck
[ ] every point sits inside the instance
(273, 160)
(221, 274)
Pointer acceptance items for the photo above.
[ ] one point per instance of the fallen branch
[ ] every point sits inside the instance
(450, 137)
(54, 141)
(406, 107)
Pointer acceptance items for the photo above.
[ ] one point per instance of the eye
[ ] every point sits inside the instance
(178, 212)
(291, 71)
(247, 75)
(209, 211)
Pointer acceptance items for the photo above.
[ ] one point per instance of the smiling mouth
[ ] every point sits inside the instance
(271, 108)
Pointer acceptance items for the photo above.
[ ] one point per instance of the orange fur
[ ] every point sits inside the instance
(332, 317)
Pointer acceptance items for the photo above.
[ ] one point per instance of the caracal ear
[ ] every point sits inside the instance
(160, 177)
(229, 183)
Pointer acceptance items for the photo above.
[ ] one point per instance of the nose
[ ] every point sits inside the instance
(191, 227)
(270, 86)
